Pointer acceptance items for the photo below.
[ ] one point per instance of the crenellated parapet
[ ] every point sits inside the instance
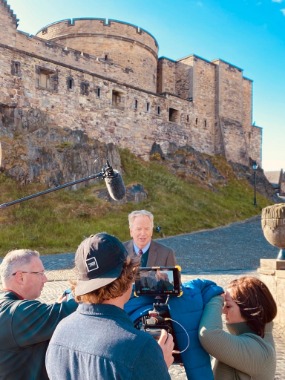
(8, 24)
(124, 44)
(6, 8)
(104, 77)
(97, 27)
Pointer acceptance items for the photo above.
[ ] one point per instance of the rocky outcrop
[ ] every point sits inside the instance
(33, 149)
(210, 171)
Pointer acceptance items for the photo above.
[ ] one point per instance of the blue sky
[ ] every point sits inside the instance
(250, 34)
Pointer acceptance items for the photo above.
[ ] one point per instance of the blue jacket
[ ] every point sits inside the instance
(186, 311)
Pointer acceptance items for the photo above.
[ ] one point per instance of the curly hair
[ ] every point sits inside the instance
(255, 301)
(116, 288)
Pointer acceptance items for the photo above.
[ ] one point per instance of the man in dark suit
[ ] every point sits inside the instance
(152, 253)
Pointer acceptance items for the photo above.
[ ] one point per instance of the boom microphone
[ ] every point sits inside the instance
(114, 183)
(113, 179)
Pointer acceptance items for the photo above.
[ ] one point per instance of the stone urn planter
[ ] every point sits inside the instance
(273, 226)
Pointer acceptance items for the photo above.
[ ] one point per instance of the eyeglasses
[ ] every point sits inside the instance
(41, 273)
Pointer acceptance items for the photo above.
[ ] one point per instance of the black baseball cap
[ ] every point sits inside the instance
(99, 260)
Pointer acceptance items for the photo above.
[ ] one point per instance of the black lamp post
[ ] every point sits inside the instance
(254, 167)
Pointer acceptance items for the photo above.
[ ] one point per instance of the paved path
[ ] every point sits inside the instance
(219, 254)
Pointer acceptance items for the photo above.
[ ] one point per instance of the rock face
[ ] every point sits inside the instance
(34, 151)
(197, 167)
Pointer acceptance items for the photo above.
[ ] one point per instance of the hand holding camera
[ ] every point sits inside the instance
(167, 344)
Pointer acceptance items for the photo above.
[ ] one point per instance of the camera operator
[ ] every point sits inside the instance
(99, 340)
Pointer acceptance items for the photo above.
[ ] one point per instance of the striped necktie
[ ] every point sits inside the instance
(140, 252)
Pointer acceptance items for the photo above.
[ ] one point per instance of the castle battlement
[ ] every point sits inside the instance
(6, 7)
(104, 77)
(98, 26)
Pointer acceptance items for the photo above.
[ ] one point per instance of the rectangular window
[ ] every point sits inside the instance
(44, 80)
(16, 68)
(84, 88)
(70, 83)
(47, 79)
(173, 115)
(117, 99)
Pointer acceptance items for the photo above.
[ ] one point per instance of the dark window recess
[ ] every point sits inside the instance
(196, 120)
(84, 88)
(158, 110)
(47, 79)
(148, 106)
(187, 118)
(70, 83)
(136, 104)
(98, 92)
(106, 57)
(173, 115)
(117, 98)
(16, 68)
(54, 82)
(205, 123)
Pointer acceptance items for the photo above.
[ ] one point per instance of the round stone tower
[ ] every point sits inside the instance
(114, 42)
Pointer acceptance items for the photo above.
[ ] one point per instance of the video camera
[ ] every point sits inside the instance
(161, 283)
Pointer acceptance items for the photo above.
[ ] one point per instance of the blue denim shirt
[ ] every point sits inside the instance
(100, 342)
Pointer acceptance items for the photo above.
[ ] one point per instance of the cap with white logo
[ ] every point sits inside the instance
(99, 260)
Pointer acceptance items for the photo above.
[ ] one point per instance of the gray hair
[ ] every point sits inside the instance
(14, 260)
(132, 216)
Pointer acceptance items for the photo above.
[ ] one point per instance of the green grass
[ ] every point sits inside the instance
(59, 221)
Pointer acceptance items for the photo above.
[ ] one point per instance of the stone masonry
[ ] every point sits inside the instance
(104, 78)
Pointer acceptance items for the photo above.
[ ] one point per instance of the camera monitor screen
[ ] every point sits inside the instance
(158, 281)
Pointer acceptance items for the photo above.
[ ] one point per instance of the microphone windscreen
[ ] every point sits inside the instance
(115, 186)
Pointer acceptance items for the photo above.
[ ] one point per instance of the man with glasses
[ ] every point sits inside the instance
(26, 324)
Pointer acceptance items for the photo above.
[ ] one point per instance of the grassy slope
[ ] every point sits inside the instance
(58, 222)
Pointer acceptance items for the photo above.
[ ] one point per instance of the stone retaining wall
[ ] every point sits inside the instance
(272, 273)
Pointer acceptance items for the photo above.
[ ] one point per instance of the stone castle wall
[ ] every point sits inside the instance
(104, 78)
(119, 43)
(8, 24)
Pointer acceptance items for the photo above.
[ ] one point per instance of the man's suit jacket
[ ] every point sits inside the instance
(159, 254)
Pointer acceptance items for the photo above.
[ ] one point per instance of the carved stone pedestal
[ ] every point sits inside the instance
(273, 226)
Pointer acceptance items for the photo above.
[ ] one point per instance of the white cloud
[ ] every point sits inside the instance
(283, 11)
(277, 1)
